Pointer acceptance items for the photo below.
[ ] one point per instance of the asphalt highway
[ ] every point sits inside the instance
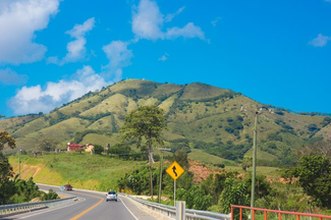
(89, 206)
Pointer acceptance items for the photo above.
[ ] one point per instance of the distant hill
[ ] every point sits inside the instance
(215, 120)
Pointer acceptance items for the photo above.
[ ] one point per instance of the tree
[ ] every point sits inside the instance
(321, 147)
(5, 138)
(144, 126)
(98, 149)
(246, 163)
(314, 172)
(234, 192)
(5, 169)
(181, 156)
(50, 195)
(13, 190)
(7, 188)
(121, 150)
(237, 191)
(47, 145)
(25, 190)
(195, 197)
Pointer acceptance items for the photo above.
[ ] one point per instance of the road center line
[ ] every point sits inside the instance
(76, 217)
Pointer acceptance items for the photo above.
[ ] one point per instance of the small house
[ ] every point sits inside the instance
(73, 147)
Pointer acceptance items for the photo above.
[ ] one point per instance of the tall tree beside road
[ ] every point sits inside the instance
(15, 190)
(6, 171)
(145, 126)
(5, 168)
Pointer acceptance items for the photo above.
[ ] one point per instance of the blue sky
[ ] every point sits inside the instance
(275, 52)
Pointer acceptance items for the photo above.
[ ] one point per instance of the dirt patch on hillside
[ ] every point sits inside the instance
(200, 171)
(28, 171)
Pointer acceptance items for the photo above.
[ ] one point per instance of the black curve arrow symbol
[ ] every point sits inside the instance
(174, 170)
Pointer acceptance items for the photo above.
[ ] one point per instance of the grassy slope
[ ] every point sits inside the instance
(81, 170)
(206, 158)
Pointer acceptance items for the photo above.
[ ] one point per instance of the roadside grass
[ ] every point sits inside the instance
(94, 172)
(272, 173)
(207, 158)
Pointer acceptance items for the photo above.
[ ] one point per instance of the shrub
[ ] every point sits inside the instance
(98, 149)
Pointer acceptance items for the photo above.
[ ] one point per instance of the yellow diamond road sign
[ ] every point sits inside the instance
(175, 170)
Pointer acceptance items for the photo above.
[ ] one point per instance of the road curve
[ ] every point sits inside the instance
(90, 206)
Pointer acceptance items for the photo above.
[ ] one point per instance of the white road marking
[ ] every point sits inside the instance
(135, 217)
(49, 210)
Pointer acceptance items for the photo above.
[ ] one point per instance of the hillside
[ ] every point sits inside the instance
(81, 170)
(218, 121)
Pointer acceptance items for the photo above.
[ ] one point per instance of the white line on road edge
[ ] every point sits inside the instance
(135, 217)
(49, 210)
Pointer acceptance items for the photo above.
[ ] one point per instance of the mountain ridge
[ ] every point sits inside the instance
(200, 116)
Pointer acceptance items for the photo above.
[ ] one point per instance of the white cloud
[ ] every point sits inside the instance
(164, 57)
(215, 22)
(79, 30)
(35, 99)
(9, 77)
(148, 21)
(75, 49)
(119, 56)
(188, 31)
(19, 20)
(170, 17)
(320, 41)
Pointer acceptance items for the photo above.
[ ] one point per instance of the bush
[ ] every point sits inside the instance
(98, 149)
(121, 150)
(314, 174)
(313, 128)
(326, 121)
(51, 195)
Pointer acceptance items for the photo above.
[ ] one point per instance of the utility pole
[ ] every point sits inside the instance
(19, 162)
(160, 181)
(254, 160)
(161, 167)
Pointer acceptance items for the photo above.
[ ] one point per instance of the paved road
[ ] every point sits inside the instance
(90, 206)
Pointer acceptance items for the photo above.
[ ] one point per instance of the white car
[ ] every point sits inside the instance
(111, 196)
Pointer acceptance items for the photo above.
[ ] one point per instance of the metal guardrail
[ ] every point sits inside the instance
(191, 214)
(10, 209)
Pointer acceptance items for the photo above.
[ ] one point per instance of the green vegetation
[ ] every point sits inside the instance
(16, 190)
(6, 139)
(204, 123)
(144, 126)
(218, 191)
(231, 185)
(98, 149)
(314, 173)
(214, 120)
(95, 172)
(204, 157)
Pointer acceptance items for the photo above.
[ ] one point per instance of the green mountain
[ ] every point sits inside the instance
(218, 121)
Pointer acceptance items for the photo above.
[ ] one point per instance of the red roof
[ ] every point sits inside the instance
(74, 146)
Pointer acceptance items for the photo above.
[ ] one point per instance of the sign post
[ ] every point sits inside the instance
(175, 171)
(174, 192)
